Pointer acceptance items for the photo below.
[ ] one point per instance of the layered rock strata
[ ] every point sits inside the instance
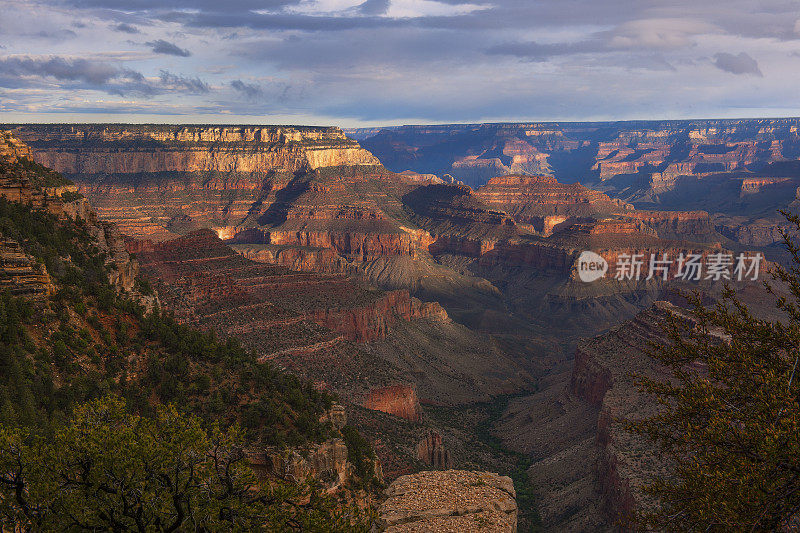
(135, 149)
(210, 284)
(20, 273)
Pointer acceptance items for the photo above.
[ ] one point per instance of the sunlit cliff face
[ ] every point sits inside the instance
(226, 232)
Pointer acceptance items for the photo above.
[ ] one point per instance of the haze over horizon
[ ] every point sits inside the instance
(391, 62)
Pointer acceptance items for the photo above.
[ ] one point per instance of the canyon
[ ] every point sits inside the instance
(743, 168)
(422, 302)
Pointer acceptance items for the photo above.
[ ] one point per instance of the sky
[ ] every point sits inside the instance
(384, 62)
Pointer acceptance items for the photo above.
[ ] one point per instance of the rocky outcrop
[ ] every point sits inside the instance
(432, 452)
(20, 273)
(326, 463)
(12, 149)
(758, 185)
(398, 400)
(450, 500)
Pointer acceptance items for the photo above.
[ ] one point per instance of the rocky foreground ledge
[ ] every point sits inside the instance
(449, 500)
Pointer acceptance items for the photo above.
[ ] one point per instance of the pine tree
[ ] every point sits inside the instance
(729, 423)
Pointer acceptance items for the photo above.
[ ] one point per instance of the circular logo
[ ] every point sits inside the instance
(591, 266)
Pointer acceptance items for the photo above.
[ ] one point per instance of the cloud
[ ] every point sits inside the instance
(192, 85)
(534, 51)
(160, 46)
(250, 90)
(130, 6)
(737, 64)
(374, 7)
(59, 68)
(56, 35)
(78, 73)
(126, 28)
(408, 60)
(660, 33)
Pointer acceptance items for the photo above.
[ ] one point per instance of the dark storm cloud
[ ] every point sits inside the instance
(768, 18)
(160, 46)
(126, 28)
(249, 90)
(737, 64)
(374, 7)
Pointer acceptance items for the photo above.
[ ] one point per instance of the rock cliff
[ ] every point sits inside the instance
(22, 180)
(209, 283)
(398, 400)
(21, 274)
(531, 198)
(326, 462)
(133, 149)
(736, 167)
(432, 452)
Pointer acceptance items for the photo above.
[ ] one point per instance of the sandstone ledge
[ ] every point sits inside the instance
(450, 500)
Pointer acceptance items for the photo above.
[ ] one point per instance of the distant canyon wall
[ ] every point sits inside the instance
(132, 149)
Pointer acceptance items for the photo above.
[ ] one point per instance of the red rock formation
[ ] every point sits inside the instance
(398, 400)
(590, 380)
(229, 280)
(372, 321)
(531, 198)
(669, 223)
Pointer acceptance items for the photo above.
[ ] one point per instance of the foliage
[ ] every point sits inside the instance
(70, 196)
(151, 467)
(93, 340)
(27, 168)
(729, 427)
(111, 470)
(361, 455)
